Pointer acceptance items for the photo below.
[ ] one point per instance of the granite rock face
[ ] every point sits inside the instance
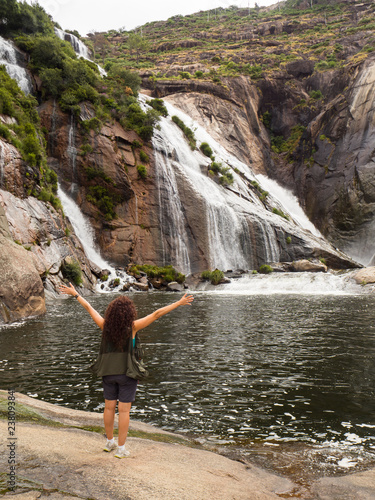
(111, 162)
(21, 289)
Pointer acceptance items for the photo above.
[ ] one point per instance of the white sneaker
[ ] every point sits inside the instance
(122, 452)
(109, 446)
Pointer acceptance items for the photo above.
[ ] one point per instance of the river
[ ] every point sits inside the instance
(286, 380)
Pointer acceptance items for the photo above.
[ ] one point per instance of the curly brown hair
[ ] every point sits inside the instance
(118, 321)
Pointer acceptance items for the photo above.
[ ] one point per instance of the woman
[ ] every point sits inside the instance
(119, 324)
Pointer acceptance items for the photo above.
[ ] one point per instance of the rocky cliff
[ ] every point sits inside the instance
(99, 165)
(330, 162)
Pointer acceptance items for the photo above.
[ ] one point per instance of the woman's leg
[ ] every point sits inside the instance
(123, 422)
(109, 417)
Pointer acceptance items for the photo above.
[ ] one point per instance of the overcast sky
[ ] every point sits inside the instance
(103, 15)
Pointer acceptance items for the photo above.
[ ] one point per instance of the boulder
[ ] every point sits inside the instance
(173, 286)
(140, 287)
(21, 288)
(304, 265)
(365, 276)
(156, 283)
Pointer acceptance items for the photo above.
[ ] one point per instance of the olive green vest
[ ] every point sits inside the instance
(111, 361)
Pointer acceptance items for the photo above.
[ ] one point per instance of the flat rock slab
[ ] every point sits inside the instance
(70, 462)
(61, 462)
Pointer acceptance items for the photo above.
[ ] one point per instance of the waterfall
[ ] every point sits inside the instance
(231, 219)
(78, 46)
(86, 236)
(10, 58)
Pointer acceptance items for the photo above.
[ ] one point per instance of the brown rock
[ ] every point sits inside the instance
(307, 266)
(365, 276)
(140, 286)
(21, 289)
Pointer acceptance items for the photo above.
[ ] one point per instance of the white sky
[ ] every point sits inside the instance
(103, 15)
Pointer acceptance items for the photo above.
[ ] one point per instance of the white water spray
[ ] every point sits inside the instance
(290, 202)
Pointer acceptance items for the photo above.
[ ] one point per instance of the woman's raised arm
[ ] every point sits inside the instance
(70, 290)
(139, 324)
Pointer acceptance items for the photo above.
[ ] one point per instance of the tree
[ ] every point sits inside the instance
(137, 44)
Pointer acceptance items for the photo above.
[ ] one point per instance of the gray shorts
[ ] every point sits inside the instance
(119, 387)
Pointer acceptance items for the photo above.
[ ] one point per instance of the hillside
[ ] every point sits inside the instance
(254, 42)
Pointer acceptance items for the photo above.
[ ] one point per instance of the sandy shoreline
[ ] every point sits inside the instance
(59, 456)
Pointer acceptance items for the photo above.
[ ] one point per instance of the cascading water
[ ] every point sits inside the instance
(72, 154)
(85, 234)
(78, 46)
(289, 202)
(238, 231)
(10, 59)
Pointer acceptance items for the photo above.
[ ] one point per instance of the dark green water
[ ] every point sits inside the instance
(261, 375)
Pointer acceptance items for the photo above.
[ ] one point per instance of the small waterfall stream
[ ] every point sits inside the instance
(78, 46)
(72, 153)
(10, 59)
(85, 234)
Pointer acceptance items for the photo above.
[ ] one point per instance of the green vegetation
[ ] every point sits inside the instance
(144, 157)
(142, 171)
(167, 273)
(214, 276)
(26, 135)
(226, 177)
(101, 197)
(72, 272)
(189, 134)
(259, 191)
(280, 213)
(280, 145)
(314, 30)
(289, 240)
(206, 149)
(265, 269)
(159, 106)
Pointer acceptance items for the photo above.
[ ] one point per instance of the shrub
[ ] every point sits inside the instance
(144, 157)
(72, 272)
(101, 198)
(142, 171)
(265, 269)
(289, 240)
(214, 276)
(166, 273)
(316, 94)
(280, 213)
(185, 75)
(198, 74)
(206, 149)
(189, 134)
(159, 106)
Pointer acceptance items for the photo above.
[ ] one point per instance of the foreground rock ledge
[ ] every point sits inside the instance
(59, 460)
(69, 463)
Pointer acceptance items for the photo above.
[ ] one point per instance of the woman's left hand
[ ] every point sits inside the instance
(186, 300)
(68, 290)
